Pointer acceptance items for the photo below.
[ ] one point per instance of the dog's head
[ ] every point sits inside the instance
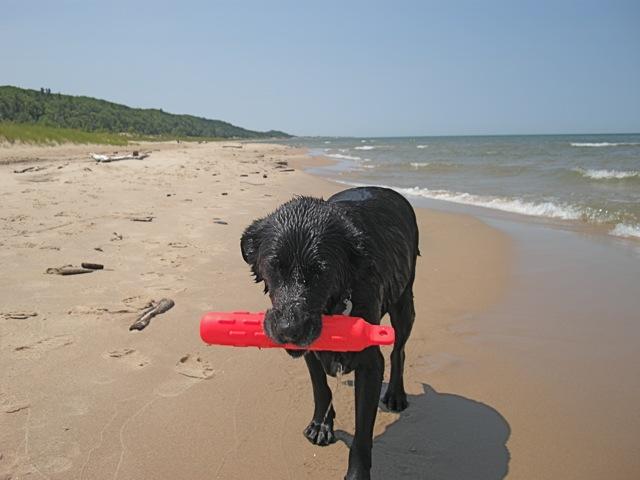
(305, 253)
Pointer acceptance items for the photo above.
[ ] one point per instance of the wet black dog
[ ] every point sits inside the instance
(354, 253)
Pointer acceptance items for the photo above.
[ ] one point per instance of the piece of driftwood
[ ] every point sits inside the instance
(68, 270)
(18, 315)
(92, 266)
(231, 146)
(147, 218)
(155, 309)
(100, 158)
(29, 169)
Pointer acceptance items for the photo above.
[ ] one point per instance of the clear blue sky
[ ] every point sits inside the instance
(344, 67)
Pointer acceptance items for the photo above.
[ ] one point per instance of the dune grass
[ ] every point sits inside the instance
(43, 135)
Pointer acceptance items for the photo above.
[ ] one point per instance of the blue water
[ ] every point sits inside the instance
(580, 179)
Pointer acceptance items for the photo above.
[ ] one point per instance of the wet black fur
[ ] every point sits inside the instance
(311, 254)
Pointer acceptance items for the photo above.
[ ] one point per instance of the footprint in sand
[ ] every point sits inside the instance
(40, 347)
(176, 386)
(432, 363)
(194, 367)
(129, 357)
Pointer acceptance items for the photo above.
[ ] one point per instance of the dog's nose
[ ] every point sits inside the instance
(288, 331)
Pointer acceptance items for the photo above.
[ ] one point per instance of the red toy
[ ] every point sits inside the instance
(339, 332)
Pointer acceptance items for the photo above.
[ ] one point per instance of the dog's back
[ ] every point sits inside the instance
(390, 230)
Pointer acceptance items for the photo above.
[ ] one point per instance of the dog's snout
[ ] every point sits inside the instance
(291, 324)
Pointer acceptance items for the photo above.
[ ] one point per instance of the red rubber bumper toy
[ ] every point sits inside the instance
(340, 333)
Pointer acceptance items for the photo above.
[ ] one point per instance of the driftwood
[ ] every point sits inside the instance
(72, 270)
(29, 169)
(155, 309)
(114, 158)
(92, 266)
(68, 270)
(148, 218)
(18, 315)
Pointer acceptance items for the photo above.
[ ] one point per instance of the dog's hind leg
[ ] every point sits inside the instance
(402, 315)
(320, 429)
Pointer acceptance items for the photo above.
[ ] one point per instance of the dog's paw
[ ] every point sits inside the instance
(395, 401)
(320, 433)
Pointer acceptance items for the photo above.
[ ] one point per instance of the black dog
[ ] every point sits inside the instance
(355, 251)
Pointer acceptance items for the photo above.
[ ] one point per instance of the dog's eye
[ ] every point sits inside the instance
(316, 271)
(274, 264)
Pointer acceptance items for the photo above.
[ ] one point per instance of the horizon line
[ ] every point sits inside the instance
(468, 135)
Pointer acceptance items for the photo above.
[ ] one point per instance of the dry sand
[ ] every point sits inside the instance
(83, 397)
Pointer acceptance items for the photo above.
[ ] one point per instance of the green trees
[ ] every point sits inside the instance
(94, 115)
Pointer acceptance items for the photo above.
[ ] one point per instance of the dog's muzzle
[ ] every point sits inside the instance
(292, 324)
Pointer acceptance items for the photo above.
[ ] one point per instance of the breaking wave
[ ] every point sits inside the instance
(608, 174)
(511, 205)
(342, 156)
(626, 231)
(604, 144)
(540, 209)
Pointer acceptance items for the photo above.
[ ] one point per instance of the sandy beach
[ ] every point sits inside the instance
(82, 397)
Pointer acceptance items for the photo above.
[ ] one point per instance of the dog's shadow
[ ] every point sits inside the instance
(442, 436)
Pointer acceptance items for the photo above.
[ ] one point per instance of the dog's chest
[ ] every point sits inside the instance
(336, 363)
(340, 306)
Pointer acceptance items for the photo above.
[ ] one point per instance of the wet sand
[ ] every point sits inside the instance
(83, 397)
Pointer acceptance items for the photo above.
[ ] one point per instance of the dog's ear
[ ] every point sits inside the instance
(250, 241)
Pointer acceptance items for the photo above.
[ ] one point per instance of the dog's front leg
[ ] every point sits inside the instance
(368, 383)
(320, 429)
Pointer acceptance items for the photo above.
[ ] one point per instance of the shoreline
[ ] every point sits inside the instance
(334, 166)
(544, 337)
(93, 400)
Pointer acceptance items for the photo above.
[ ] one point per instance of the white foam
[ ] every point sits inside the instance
(603, 144)
(343, 157)
(422, 146)
(365, 147)
(419, 164)
(541, 209)
(626, 231)
(327, 141)
(608, 174)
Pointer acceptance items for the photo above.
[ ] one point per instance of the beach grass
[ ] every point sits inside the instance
(44, 135)
(31, 133)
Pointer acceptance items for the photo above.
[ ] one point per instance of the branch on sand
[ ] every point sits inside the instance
(154, 309)
(100, 158)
